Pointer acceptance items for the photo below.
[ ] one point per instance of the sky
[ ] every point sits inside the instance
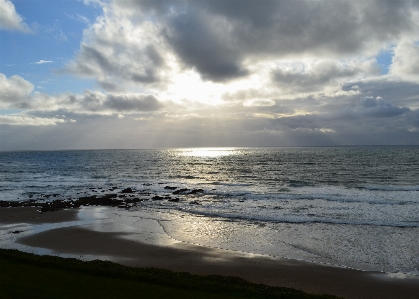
(98, 74)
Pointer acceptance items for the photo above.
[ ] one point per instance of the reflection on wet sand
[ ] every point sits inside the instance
(154, 239)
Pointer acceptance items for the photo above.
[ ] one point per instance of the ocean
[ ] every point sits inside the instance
(355, 207)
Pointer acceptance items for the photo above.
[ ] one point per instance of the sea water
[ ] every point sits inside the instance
(355, 207)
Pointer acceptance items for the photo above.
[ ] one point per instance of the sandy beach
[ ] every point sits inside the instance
(105, 239)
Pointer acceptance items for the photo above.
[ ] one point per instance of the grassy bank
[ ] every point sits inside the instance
(24, 275)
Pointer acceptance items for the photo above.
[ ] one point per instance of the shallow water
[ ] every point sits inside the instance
(356, 207)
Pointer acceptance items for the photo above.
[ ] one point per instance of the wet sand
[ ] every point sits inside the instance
(32, 216)
(127, 248)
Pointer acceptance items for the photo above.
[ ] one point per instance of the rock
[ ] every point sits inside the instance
(170, 188)
(174, 199)
(183, 190)
(194, 191)
(194, 202)
(133, 200)
(127, 190)
(157, 197)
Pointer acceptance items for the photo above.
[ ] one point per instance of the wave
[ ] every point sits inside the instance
(295, 220)
(390, 188)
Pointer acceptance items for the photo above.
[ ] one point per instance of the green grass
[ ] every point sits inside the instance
(24, 275)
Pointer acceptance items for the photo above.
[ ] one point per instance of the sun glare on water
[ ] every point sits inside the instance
(209, 152)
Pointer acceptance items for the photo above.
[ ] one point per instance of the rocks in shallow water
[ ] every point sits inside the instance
(194, 191)
(118, 197)
(157, 197)
(133, 200)
(170, 188)
(127, 190)
(183, 190)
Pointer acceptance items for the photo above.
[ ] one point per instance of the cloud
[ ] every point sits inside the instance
(43, 61)
(375, 107)
(25, 120)
(10, 19)
(98, 102)
(317, 74)
(17, 93)
(79, 18)
(60, 37)
(147, 43)
(405, 62)
(219, 38)
(223, 73)
(203, 42)
(119, 54)
(14, 92)
(393, 88)
(131, 103)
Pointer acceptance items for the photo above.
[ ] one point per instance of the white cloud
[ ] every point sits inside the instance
(43, 61)
(120, 53)
(25, 120)
(14, 92)
(79, 18)
(60, 37)
(405, 61)
(10, 19)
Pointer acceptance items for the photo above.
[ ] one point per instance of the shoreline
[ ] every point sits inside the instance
(138, 248)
